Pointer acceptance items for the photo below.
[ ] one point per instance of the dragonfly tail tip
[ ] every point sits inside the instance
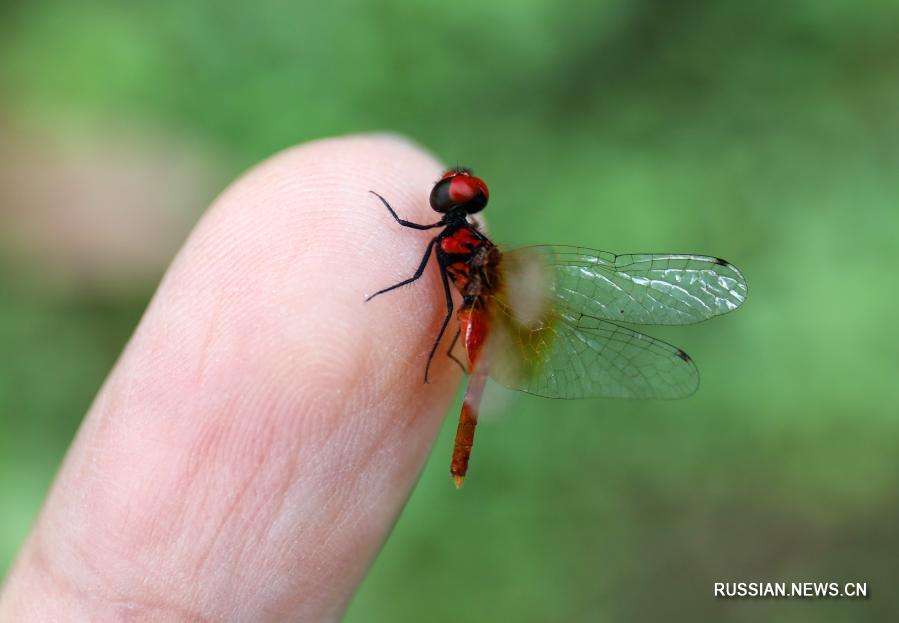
(458, 480)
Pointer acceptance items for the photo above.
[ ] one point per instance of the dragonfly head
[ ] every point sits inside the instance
(458, 189)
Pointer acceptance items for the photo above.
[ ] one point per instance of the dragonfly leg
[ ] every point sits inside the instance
(446, 319)
(418, 273)
(404, 222)
(450, 354)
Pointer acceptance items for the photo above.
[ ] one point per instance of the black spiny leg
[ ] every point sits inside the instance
(449, 314)
(404, 222)
(449, 353)
(418, 273)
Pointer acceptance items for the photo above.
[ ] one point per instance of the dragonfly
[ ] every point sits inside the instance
(553, 320)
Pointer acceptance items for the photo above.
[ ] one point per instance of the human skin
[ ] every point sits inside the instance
(251, 449)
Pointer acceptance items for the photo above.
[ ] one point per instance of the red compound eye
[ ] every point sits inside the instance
(458, 188)
(463, 188)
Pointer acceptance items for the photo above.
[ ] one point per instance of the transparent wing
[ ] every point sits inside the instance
(544, 341)
(661, 289)
(577, 356)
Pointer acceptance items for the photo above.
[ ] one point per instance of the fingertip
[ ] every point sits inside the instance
(261, 401)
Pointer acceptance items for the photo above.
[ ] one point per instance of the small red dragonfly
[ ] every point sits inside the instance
(551, 320)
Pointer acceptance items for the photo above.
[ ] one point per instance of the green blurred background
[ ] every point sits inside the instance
(763, 132)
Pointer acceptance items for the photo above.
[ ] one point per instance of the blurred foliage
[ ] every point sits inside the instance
(763, 132)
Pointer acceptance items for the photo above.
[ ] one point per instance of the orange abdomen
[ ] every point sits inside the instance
(473, 327)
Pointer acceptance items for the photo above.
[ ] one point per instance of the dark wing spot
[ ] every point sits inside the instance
(721, 262)
(683, 355)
